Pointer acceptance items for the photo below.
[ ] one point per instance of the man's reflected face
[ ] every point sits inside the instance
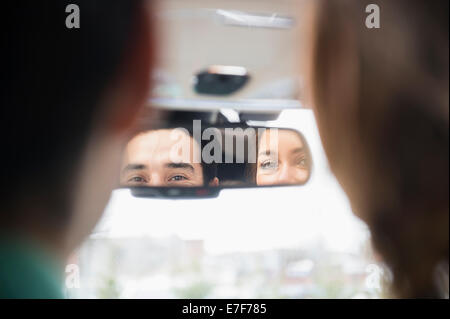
(282, 158)
(162, 158)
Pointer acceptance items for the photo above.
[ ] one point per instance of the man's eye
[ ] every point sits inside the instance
(177, 178)
(137, 179)
(269, 164)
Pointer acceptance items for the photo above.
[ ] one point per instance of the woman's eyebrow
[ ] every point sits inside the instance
(297, 150)
(268, 153)
(180, 165)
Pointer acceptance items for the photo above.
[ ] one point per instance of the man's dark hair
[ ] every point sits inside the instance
(52, 79)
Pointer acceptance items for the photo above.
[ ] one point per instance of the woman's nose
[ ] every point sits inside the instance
(286, 175)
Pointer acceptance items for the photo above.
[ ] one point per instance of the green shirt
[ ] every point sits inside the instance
(28, 272)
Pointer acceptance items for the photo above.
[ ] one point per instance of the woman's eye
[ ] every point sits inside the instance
(268, 165)
(302, 162)
(177, 178)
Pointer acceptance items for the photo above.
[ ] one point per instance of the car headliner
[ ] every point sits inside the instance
(193, 37)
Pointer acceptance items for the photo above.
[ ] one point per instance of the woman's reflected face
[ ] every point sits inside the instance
(283, 158)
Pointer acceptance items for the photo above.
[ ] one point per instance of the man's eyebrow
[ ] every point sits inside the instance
(134, 167)
(180, 165)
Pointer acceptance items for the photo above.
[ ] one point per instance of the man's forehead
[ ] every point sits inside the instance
(161, 145)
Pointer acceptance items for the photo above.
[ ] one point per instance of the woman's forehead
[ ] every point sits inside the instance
(281, 139)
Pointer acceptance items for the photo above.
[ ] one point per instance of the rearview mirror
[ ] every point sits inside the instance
(194, 161)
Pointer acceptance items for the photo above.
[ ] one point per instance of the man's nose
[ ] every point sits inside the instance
(156, 180)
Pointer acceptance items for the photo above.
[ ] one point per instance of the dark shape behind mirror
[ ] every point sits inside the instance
(207, 159)
(220, 80)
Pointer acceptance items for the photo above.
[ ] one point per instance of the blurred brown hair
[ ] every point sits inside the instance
(381, 101)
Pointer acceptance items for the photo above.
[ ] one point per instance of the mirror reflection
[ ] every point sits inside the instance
(216, 157)
(286, 162)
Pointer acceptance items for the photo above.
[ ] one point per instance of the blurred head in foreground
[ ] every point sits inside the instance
(381, 99)
(69, 95)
